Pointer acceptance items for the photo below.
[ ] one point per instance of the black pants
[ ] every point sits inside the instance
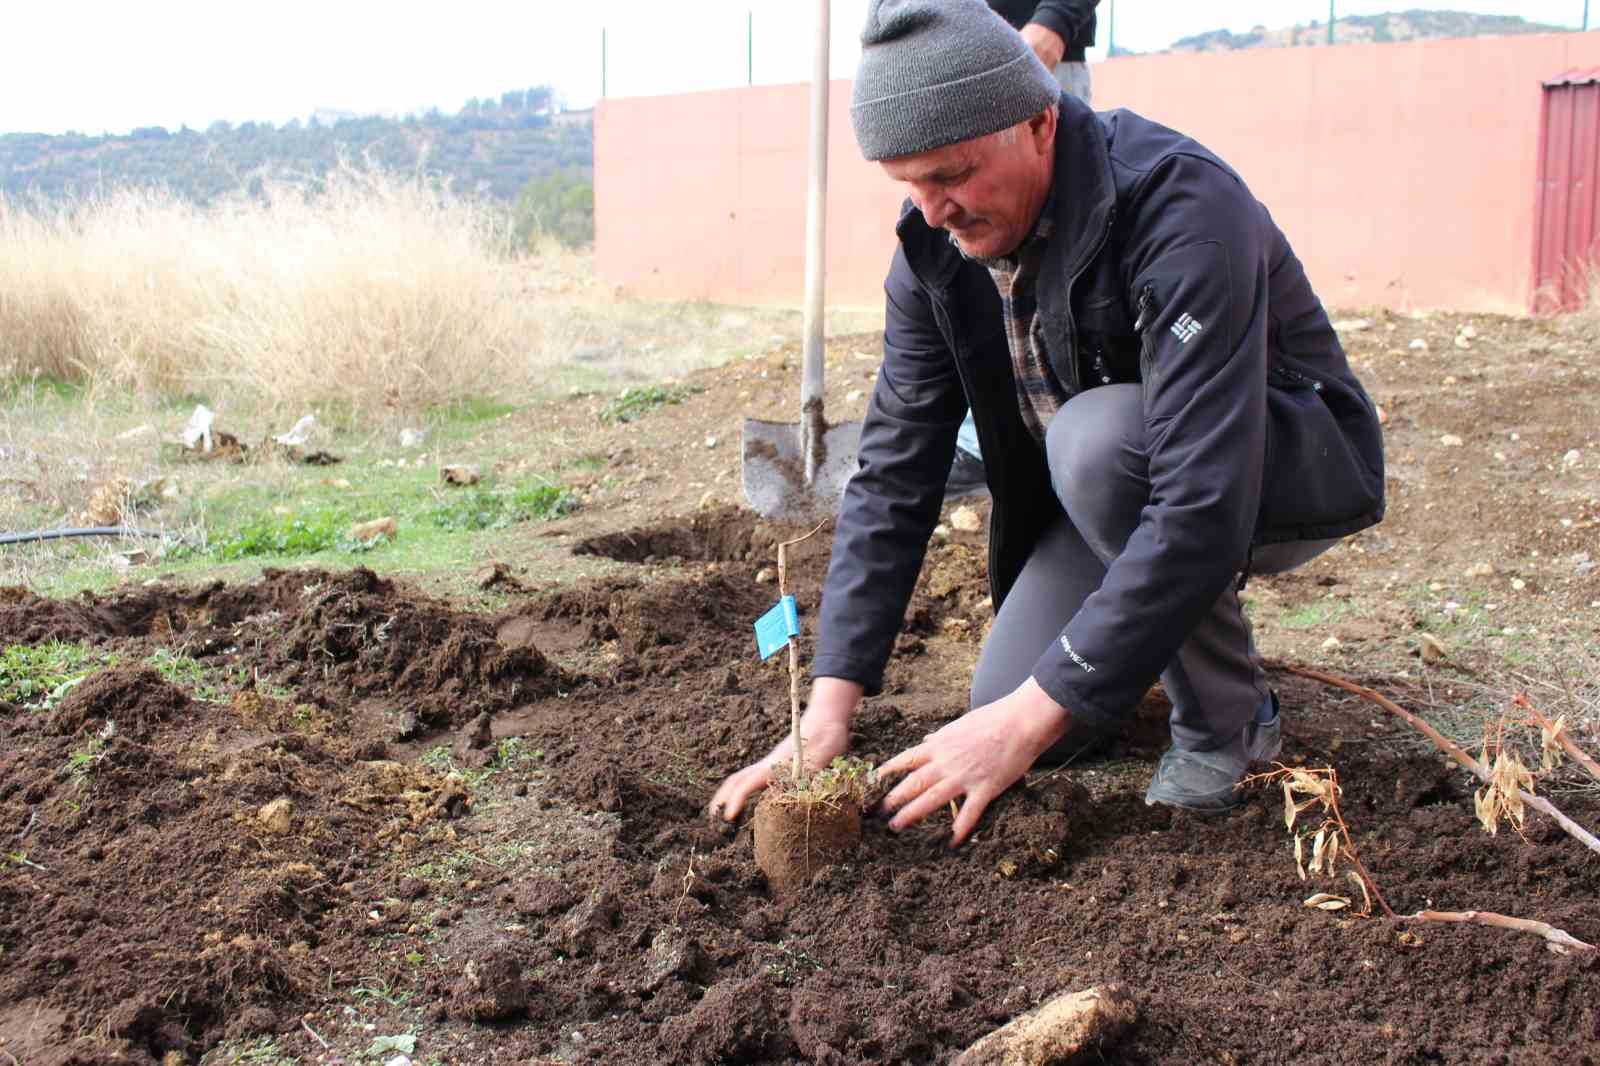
(1100, 470)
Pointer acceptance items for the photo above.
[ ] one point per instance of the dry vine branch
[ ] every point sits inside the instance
(1558, 938)
(1322, 785)
(794, 658)
(1444, 744)
(1554, 733)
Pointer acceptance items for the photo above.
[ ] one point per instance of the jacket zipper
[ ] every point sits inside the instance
(1075, 386)
(942, 319)
(1147, 298)
(1143, 317)
(1296, 379)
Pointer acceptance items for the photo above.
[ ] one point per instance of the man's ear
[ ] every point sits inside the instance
(1042, 128)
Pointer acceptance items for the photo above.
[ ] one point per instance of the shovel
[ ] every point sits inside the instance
(798, 471)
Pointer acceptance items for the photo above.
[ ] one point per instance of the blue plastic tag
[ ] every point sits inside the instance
(774, 628)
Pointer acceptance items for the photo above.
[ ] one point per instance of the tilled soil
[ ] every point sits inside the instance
(488, 830)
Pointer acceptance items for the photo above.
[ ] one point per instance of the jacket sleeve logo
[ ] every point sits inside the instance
(1066, 646)
(1185, 328)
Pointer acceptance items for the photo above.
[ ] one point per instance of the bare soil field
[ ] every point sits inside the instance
(415, 825)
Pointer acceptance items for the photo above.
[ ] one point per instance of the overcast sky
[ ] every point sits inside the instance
(110, 65)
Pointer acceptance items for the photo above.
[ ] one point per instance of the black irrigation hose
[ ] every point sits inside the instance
(92, 531)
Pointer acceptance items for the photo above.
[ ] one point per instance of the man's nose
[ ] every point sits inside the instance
(936, 208)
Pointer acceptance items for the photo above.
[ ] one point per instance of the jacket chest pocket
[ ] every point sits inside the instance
(1108, 347)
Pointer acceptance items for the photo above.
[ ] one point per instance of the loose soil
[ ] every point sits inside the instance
(487, 829)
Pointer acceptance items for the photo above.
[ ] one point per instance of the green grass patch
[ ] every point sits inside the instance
(472, 410)
(287, 535)
(633, 403)
(41, 389)
(480, 508)
(38, 675)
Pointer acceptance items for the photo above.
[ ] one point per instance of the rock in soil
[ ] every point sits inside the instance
(588, 921)
(1057, 1030)
(796, 836)
(673, 954)
(491, 989)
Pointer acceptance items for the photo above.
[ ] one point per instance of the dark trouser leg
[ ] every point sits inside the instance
(1058, 577)
(1097, 454)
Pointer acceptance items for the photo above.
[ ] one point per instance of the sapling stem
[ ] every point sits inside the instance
(796, 742)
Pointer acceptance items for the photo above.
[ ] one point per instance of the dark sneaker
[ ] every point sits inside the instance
(1205, 780)
(966, 477)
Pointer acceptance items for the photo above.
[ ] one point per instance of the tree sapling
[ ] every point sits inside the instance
(806, 821)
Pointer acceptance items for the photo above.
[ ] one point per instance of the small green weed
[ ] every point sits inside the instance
(194, 677)
(791, 966)
(381, 991)
(632, 403)
(488, 508)
(81, 763)
(38, 675)
(1319, 613)
(261, 1051)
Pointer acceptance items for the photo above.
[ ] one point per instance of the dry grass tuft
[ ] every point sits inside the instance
(373, 293)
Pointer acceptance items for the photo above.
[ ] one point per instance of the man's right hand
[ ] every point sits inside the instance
(825, 727)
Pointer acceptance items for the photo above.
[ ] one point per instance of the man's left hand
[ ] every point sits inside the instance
(979, 756)
(1046, 44)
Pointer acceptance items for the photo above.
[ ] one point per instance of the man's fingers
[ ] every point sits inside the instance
(910, 788)
(971, 810)
(730, 799)
(910, 759)
(931, 800)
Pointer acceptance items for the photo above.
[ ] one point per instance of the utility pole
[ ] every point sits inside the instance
(750, 46)
(602, 62)
(1111, 30)
(1585, 16)
(1331, 4)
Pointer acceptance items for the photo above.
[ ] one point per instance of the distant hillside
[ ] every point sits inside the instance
(1395, 26)
(491, 148)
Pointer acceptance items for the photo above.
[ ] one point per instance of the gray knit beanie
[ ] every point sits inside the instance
(935, 72)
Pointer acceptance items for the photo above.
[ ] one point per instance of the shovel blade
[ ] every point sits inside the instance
(774, 469)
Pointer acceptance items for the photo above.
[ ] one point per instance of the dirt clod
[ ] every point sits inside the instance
(491, 988)
(276, 817)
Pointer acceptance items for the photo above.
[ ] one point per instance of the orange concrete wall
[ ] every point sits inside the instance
(1403, 173)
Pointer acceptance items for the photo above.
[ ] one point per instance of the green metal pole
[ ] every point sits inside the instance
(602, 63)
(1111, 31)
(1331, 4)
(1585, 16)
(750, 46)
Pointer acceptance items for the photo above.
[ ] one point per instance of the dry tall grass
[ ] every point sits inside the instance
(375, 292)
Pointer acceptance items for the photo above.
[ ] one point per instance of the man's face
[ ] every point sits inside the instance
(986, 192)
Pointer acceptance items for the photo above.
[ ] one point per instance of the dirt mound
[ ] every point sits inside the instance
(155, 899)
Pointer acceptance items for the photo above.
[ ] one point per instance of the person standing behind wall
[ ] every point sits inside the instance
(1060, 32)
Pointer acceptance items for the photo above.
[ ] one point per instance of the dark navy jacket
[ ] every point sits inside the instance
(1072, 20)
(1163, 270)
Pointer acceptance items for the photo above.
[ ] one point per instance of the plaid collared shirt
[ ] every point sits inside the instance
(1040, 393)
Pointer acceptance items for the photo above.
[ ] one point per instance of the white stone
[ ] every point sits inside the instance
(1419, 345)
(1331, 644)
(1450, 440)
